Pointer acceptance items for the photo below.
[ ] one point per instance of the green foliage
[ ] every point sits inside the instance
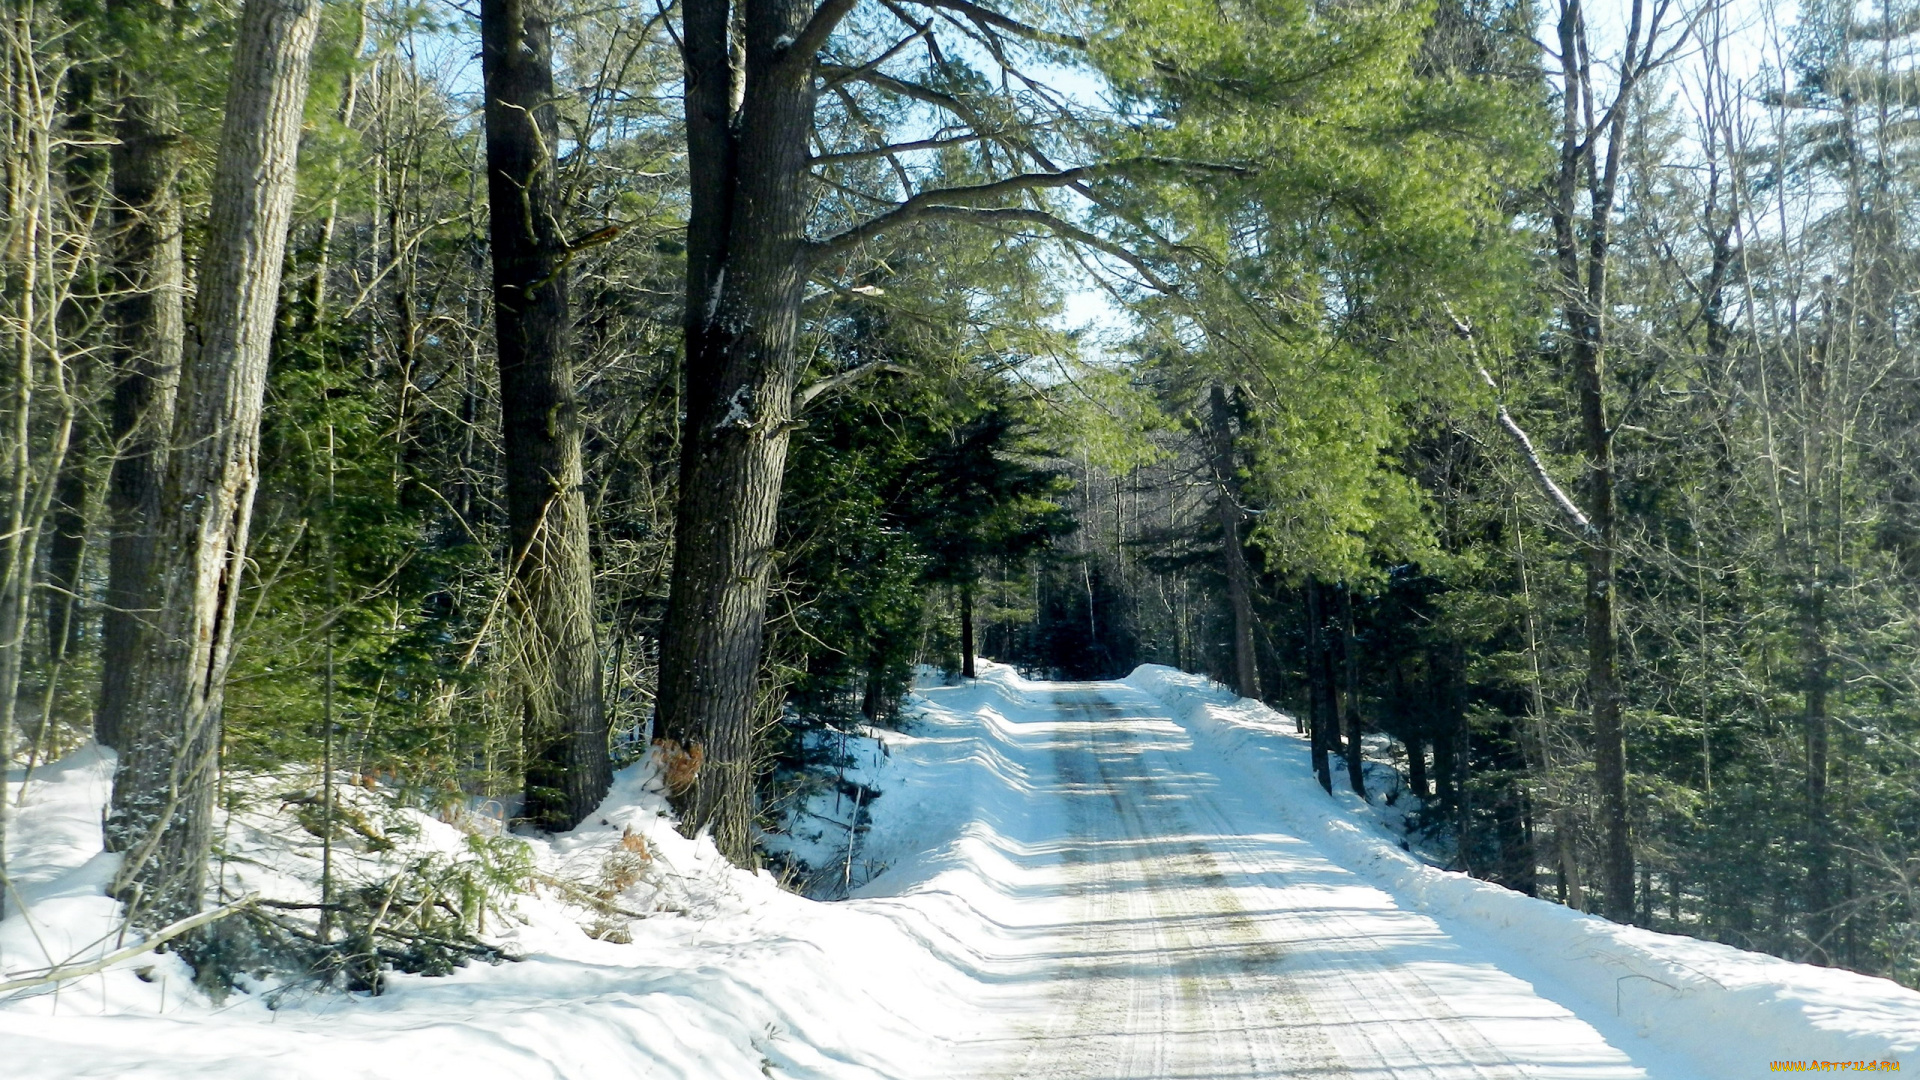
(1354, 168)
(354, 553)
(1320, 197)
(893, 492)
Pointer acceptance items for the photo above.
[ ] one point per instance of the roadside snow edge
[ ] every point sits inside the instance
(1682, 993)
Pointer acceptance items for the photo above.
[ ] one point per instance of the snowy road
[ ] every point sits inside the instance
(1180, 934)
(1086, 881)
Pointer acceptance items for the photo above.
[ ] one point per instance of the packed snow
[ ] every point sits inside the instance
(1135, 878)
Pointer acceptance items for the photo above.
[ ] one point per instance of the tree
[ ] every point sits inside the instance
(1232, 546)
(1592, 149)
(754, 76)
(972, 499)
(40, 265)
(161, 814)
(149, 331)
(910, 131)
(551, 567)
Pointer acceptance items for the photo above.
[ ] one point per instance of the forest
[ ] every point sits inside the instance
(466, 400)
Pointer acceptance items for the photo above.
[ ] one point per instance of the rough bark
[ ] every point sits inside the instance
(1445, 777)
(1603, 680)
(1819, 829)
(1460, 759)
(162, 808)
(747, 124)
(558, 669)
(1234, 554)
(1417, 767)
(1513, 814)
(872, 697)
(751, 83)
(149, 328)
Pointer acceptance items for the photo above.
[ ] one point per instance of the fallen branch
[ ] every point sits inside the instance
(158, 938)
(586, 898)
(472, 948)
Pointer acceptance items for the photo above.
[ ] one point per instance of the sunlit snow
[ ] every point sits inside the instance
(1120, 879)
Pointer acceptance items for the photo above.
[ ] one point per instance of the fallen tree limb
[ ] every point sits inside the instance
(158, 938)
(586, 898)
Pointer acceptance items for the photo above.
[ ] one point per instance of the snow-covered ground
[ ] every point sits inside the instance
(1132, 879)
(1678, 1005)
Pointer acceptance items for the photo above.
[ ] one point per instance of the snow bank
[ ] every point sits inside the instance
(943, 956)
(1723, 1007)
(815, 843)
(726, 976)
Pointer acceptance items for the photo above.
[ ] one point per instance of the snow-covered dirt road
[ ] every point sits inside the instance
(1129, 879)
(1171, 930)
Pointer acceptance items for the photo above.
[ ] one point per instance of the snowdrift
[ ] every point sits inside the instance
(1723, 1007)
(726, 976)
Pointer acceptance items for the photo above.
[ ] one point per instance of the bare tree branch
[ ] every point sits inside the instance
(839, 73)
(874, 64)
(1554, 492)
(894, 148)
(813, 36)
(1001, 22)
(943, 200)
(832, 383)
(931, 211)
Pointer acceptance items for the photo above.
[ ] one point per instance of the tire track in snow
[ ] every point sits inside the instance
(1168, 974)
(1384, 1020)
(1165, 979)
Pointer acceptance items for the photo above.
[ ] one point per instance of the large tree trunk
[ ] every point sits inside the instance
(747, 128)
(1460, 761)
(1417, 767)
(1239, 580)
(1819, 829)
(1603, 680)
(558, 669)
(149, 328)
(162, 809)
